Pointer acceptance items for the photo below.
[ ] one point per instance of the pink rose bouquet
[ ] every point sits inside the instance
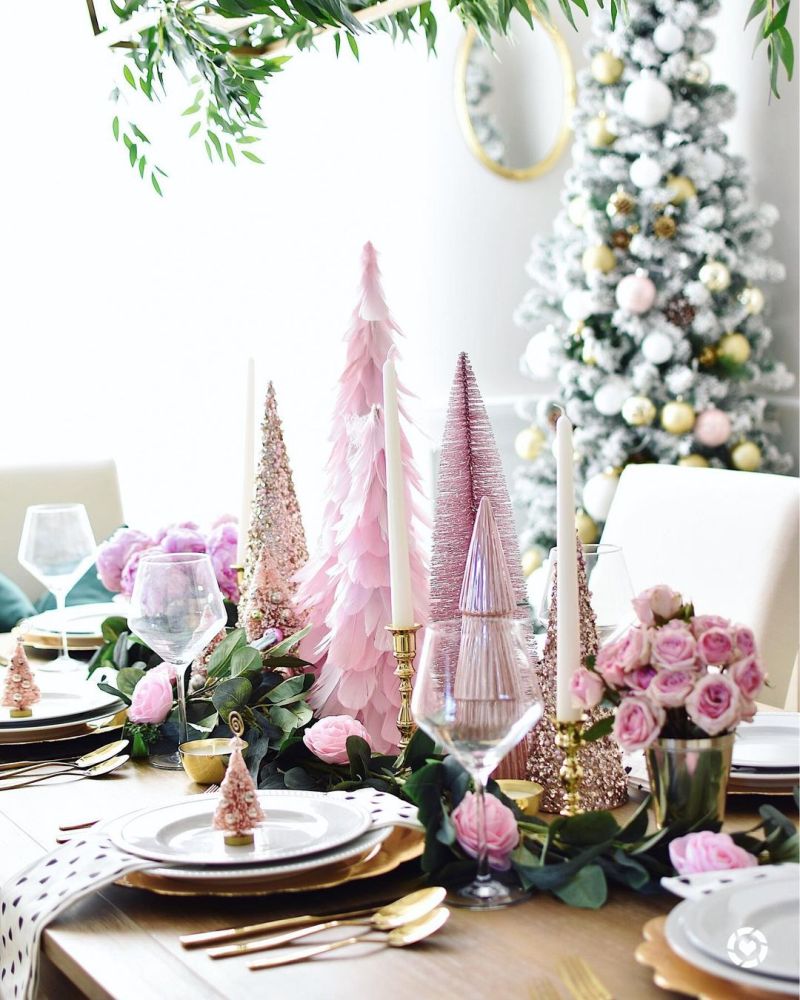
(674, 674)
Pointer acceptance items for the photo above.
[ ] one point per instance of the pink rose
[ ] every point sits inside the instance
(162, 533)
(502, 835)
(638, 722)
(701, 623)
(657, 602)
(607, 665)
(628, 653)
(114, 553)
(715, 646)
(714, 704)
(222, 542)
(640, 678)
(673, 647)
(327, 739)
(671, 688)
(587, 688)
(747, 710)
(748, 675)
(708, 852)
(178, 538)
(152, 698)
(745, 641)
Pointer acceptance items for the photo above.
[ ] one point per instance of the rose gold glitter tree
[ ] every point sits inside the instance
(469, 469)
(238, 811)
(268, 603)
(604, 785)
(20, 690)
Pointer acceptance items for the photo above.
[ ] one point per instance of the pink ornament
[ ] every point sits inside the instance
(712, 427)
(636, 293)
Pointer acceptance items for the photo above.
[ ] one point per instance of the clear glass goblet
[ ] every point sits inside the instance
(476, 694)
(57, 547)
(176, 608)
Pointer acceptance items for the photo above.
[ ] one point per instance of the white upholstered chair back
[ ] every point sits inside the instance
(94, 484)
(726, 540)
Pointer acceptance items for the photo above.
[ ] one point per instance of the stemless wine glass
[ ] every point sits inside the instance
(476, 693)
(57, 546)
(610, 589)
(177, 609)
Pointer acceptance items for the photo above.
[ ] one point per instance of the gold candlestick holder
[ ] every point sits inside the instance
(239, 571)
(569, 737)
(404, 642)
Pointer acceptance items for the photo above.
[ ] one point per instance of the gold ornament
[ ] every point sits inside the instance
(715, 275)
(664, 227)
(531, 560)
(586, 528)
(677, 417)
(752, 299)
(620, 239)
(707, 356)
(621, 202)
(576, 329)
(698, 72)
(693, 462)
(746, 456)
(587, 353)
(577, 209)
(638, 411)
(681, 187)
(606, 68)
(598, 132)
(734, 347)
(528, 443)
(598, 258)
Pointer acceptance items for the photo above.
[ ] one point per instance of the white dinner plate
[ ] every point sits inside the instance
(679, 941)
(771, 740)
(65, 697)
(80, 619)
(771, 907)
(296, 824)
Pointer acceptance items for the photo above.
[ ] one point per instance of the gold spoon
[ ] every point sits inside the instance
(399, 937)
(97, 771)
(97, 756)
(401, 911)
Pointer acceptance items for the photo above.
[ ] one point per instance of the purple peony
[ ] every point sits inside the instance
(222, 542)
(116, 552)
(182, 539)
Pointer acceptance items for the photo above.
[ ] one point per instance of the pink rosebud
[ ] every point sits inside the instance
(673, 647)
(587, 688)
(701, 623)
(748, 675)
(671, 688)
(715, 646)
(502, 835)
(327, 739)
(708, 852)
(714, 704)
(657, 602)
(745, 641)
(641, 678)
(151, 701)
(637, 722)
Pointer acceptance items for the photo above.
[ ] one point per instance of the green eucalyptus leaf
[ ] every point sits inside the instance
(245, 660)
(219, 661)
(231, 695)
(587, 889)
(128, 678)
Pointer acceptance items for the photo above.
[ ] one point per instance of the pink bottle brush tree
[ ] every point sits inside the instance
(20, 690)
(357, 676)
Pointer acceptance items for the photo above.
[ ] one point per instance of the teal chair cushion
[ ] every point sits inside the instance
(14, 604)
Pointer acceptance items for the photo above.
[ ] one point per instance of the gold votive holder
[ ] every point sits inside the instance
(205, 760)
(526, 795)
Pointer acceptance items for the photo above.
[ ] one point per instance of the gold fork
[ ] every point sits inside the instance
(581, 981)
(543, 989)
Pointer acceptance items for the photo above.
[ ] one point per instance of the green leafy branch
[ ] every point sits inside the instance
(772, 30)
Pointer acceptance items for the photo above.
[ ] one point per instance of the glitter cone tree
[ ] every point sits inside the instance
(268, 605)
(470, 469)
(647, 302)
(357, 675)
(20, 690)
(238, 811)
(276, 539)
(369, 341)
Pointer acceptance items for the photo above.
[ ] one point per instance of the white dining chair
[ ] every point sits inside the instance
(94, 484)
(726, 540)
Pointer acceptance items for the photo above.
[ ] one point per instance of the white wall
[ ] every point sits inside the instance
(126, 319)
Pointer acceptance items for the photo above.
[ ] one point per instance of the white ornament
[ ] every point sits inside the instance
(668, 37)
(577, 304)
(540, 353)
(598, 493)
(647, 101)
(714, 164)
(645, 172)
(611, 395)
(657, 348)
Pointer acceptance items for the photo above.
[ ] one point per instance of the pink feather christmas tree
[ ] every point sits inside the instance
(369, 340)
(357, 676)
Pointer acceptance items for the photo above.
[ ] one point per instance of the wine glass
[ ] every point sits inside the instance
(57, 546)
(610, 589)
(476, 693)
(177, 609)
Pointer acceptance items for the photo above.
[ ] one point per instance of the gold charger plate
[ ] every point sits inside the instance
(671, 972)
(403, 844)
(61, 734)
(47, 640)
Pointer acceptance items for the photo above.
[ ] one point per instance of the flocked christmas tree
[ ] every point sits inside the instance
(20, 690)
(357, 676)
(648, 301)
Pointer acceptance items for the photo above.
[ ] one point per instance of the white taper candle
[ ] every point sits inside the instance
(399, 565)
(568, 616)
(248, 460)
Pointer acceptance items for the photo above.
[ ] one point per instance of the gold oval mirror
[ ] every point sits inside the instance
(515, 104)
